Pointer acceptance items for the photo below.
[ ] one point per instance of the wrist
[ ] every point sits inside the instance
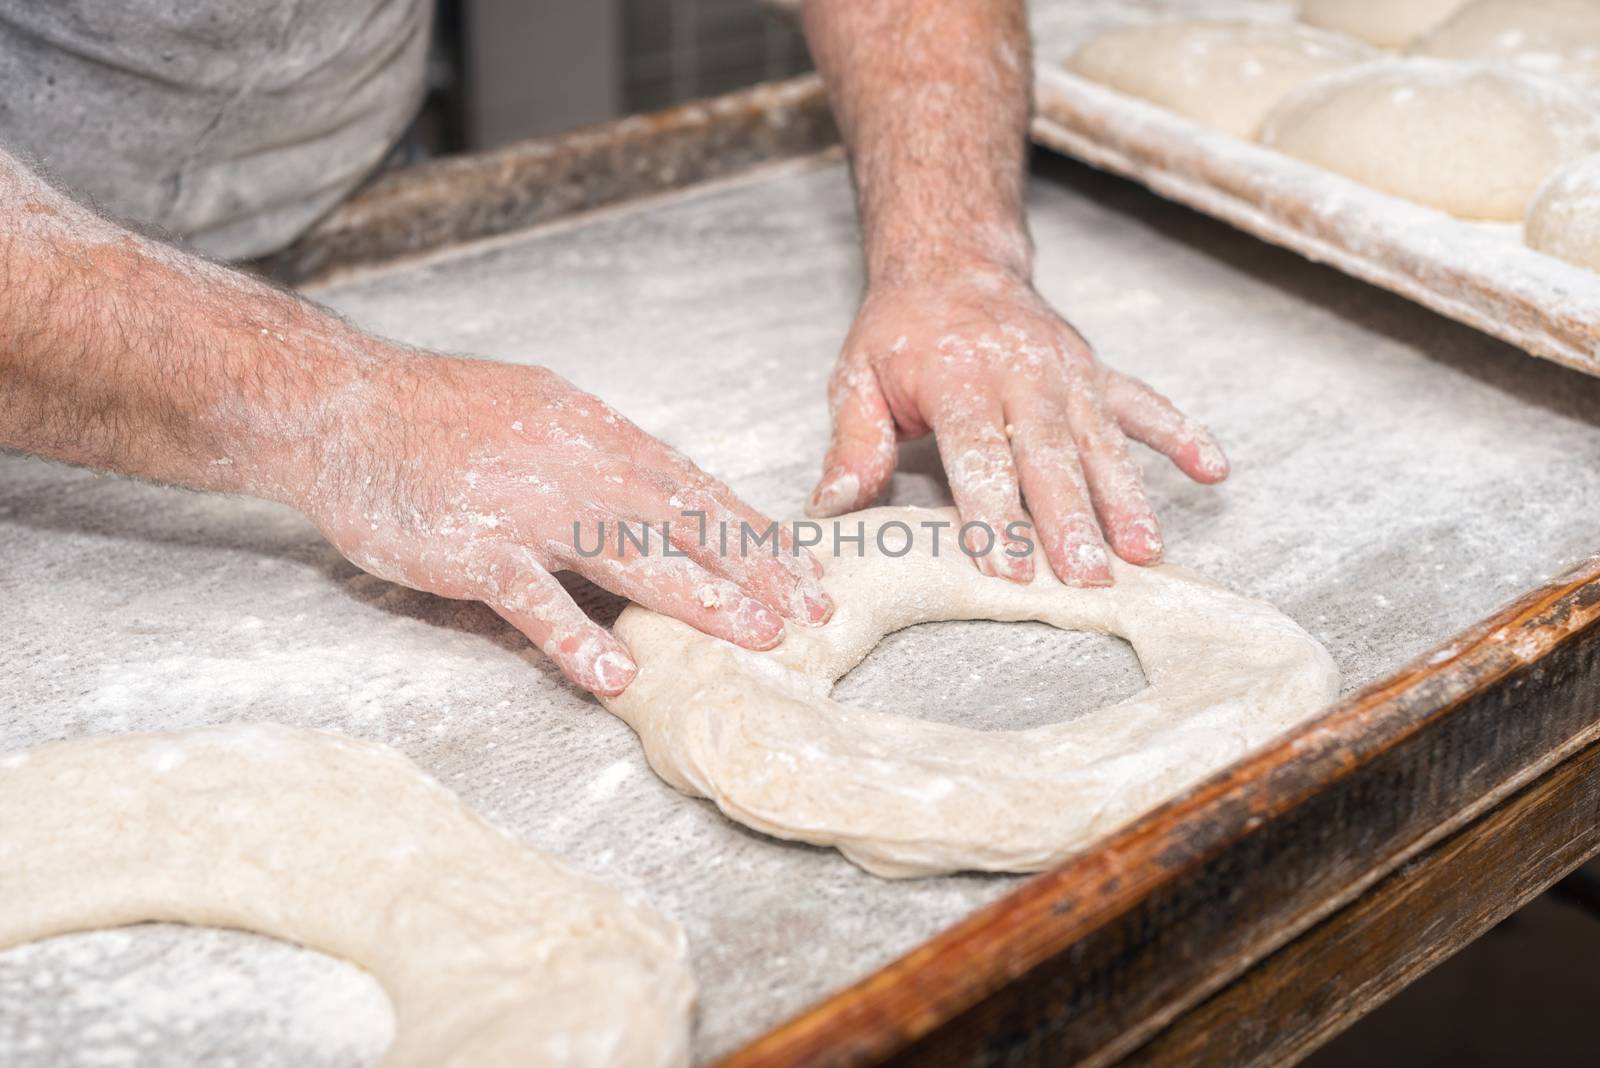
(953, 269)
(391, 422)
(1003, 255)
(305, 449)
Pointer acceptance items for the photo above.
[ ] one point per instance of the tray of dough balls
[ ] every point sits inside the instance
(1448, 150)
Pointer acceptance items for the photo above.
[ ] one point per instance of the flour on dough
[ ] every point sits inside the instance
(1564, 219)
(1226, 75)
(1472, 139)
(1386, 23)
(759, 734)
(493, 954)
(1558, 38)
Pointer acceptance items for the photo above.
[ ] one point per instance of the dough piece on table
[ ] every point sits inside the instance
(758, 734)
(1564, 218)
(1471, 139)
(492, 953)
(1224, 74)
(1559, 38)
(1385, 23)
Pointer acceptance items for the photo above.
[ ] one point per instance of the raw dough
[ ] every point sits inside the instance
(1224, 74)
(1386, 23)
(759, 735)
(1560, 38)
(493, 954)
(1472, 139)
(1564, 219)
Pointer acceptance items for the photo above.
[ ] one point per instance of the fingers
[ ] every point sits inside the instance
(983, 480)
(1147, 416)
(530, 599)
(1116, 485)
(1057, 494)
(861, 455)
(527, 596)
(684, 590)
(798, 557)
(754, 552)
(787, 579)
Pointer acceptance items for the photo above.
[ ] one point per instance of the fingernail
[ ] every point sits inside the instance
(1016, 568)
(1210, 458)
(807, 603)
(1137, 539)
(757, 623)
(837, 492)
(1148, 533)
(1088, 564)
(613, 672)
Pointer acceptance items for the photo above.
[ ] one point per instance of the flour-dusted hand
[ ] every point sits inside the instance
(932, 97)
(465, 478)
(477, 480)
(1021, 410)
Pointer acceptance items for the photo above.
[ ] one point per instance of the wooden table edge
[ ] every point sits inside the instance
(1308, 990)
(1090, 960)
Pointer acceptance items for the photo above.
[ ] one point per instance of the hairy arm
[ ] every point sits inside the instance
(119, 353)
(932, 98)
(466, 478)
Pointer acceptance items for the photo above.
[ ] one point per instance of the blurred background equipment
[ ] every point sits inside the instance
(503, 70)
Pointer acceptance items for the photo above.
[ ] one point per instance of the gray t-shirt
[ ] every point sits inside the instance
(230, 124)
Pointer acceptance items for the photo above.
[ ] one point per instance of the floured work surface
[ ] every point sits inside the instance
(1397, 476)
(1479, 273)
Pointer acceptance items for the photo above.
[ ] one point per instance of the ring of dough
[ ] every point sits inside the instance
(493, 954)
(758, 734)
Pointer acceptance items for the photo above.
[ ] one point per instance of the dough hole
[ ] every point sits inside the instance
(766, 736)
(330, 842)
(996, 676)
(175, 995)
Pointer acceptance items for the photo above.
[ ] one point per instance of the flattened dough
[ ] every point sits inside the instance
(758, 734)
(1227, 75)
(1471, 139)
(1564, 219)
(1558, 38)
(1386, 23)
(493, 954)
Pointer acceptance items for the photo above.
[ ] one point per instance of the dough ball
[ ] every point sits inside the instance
(1556, 37)
(1564, 218)
(1471, 139)
(1223, 74)
(1386, 23)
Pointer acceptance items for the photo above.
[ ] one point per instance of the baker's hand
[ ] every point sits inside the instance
(1020, 407)
(477, 480)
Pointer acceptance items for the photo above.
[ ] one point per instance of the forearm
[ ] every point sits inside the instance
(932, 98)
(466, 478)
(122, 354)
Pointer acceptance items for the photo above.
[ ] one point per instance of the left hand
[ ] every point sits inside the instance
(1020, 407)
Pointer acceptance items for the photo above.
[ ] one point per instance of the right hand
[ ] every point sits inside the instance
(466, 478)
(1021, 408)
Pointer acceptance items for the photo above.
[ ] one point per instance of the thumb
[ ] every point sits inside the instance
(861, 455)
